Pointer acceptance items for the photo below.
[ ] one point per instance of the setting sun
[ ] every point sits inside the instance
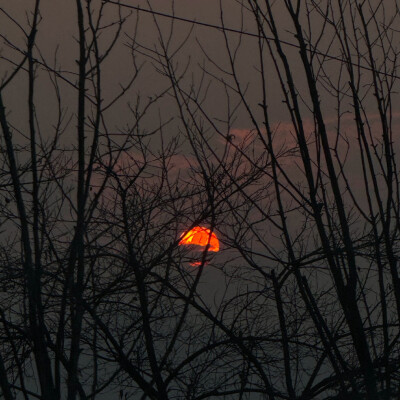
(200, 236)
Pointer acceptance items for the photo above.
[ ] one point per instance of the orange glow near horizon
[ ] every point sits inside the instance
(200, 236)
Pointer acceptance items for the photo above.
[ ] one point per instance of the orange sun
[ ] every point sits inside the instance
(200, 236)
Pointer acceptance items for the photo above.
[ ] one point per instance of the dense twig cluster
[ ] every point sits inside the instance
(97, 298)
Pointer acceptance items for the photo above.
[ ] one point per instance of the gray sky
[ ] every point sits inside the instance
(57, 30)
(205, 47)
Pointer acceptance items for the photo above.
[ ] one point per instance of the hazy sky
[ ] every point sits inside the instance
(204, 48)
(202, 61)
(58, 28)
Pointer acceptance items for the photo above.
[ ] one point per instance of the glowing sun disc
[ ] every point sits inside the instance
(200, 236)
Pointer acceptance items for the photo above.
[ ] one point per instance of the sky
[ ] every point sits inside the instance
(199, 54)
(57, 30)
(204, 50)
(203, 54)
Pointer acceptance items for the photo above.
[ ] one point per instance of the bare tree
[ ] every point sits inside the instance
(322, 239)
(295, 171)
(97, 296)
